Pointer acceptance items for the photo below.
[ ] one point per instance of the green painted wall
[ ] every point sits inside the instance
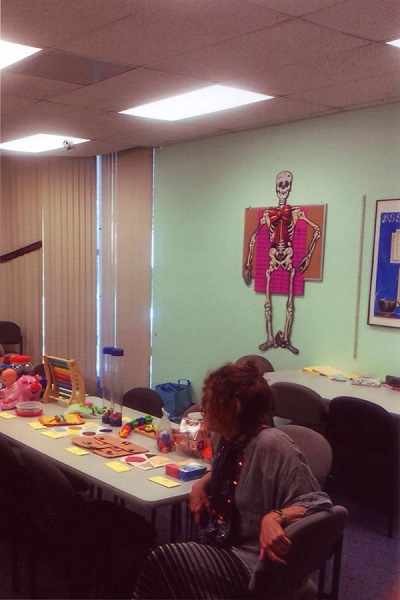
(204, 315)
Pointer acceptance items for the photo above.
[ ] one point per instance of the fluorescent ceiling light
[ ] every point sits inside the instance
(11, 53)
(394, 43)
(41, 143)
(200, 102)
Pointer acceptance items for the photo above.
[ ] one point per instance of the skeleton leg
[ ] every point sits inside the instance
(285, 338)
(270, 343)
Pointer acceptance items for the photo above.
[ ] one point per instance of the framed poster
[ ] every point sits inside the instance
(384, 296)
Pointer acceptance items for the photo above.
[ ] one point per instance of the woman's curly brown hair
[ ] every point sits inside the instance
(230, 382)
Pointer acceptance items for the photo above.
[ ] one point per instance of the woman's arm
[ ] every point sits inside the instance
(273, 542)
(198, 497)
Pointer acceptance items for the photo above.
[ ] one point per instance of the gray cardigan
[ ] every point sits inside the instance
(274, 475)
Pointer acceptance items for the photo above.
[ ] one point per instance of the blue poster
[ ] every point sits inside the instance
(385, 287)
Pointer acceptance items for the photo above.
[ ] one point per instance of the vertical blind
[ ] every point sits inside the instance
(52, 293)
(126, 237)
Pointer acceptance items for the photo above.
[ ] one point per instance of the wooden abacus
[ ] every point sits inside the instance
(65, 384)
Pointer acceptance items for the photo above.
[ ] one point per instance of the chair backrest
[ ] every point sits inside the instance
(57, 508)
(315, 448)
(12, 489)
(195, 408)
(144, 399)
(300, 404)
(365, 443)
(363, 426)
(10, 335)
(313, 543)
(263, 365)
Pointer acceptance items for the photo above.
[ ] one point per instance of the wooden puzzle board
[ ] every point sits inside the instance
(108, 446)
(149, 434)
(71, 419)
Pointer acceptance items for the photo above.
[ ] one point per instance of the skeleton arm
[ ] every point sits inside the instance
(305, 262)
(247, 267)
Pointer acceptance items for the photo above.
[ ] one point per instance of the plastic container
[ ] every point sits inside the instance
(29, 409)
(22, 364)
(106, 382)
(116, 387)
(164, 434)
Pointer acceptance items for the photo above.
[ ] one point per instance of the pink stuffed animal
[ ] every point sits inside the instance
(29, 388)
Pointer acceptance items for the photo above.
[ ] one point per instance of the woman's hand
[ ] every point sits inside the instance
(198, 497)
(273, 541)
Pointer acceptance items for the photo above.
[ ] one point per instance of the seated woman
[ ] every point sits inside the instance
(259, 483)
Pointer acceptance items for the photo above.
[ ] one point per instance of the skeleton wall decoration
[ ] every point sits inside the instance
(281, 244)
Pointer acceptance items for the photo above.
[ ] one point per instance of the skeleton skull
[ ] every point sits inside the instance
(284, 185)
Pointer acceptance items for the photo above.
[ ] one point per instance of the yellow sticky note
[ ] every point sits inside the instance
(119, 467)
(6, 415)
(36, 425)
(77, 451)
(53, 434)
(164, 481)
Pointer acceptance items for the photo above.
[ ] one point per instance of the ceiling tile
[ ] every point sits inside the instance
(71, 68)
(377, 20)
(296, 8)
(263, 113)
(47, 117)
(354, 92)
(11, 106)
(291, 42)
(134, 88)
(14, 84)
(147, 132)
(357, 63)
(161, 30)
(316, 56)
(45, 23)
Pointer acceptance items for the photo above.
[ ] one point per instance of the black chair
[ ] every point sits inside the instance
(99, 546)
(315, 540)
(263, 365)
(15, 526)
(315, 448)
(301, 405)
(144, 399)
(195, 408)
(10, 335)
(365, 443)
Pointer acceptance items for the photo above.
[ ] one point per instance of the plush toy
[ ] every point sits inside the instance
(29, 388)
(85, 409)
(10, 392)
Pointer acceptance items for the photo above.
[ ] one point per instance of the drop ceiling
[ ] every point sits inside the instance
(316, 57)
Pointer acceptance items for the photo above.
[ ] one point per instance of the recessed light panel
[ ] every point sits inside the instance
(11, 53)
(42, 142)
(200, 102)
(394, 43)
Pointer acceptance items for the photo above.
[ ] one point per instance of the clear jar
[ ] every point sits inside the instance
(116, 387)
(22, 364)
(106, 382)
